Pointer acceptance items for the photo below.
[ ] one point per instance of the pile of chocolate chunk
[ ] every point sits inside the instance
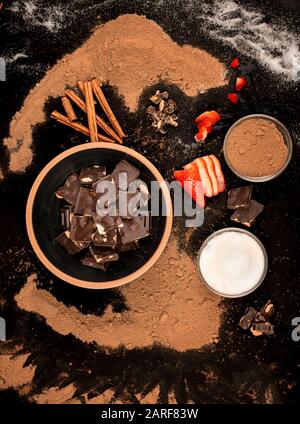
(258, 321)
(246, 209)
(104, 215)
(163, 113)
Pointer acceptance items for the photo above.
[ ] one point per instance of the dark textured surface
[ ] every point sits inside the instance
(245, 367)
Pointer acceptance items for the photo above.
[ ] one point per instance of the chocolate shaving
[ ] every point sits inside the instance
(248, 318)
(164, 114)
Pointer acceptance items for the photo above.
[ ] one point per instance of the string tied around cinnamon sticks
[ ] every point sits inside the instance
(89, 89)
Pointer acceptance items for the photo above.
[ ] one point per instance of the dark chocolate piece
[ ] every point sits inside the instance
(128, 204)
(86, 202)
(124, 174)
(258, 329)
(247, 216)
(239, 197)
(82, 228)
(106, 240)
(103, 254)
(106, 223)
(92, 174)
(268, 310)
(71, 246)
(132, 229)
(65, 217)
(134, 245)
(88, 260)
(70, 189)
(248, 318)
(107, 194)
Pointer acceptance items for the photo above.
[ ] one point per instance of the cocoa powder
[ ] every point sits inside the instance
(256, 148)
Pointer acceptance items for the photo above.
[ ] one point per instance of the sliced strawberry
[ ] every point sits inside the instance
(212, 173)
(235, 63)
(219, 173)
(201, 134)
(206, 123)
(233, 97)
(211, 115)
(240, 83)
(189, 179)
(204, 176)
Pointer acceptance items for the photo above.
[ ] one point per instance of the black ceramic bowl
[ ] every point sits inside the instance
(43, 226)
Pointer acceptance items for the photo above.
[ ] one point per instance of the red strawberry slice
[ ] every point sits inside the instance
(201, 134)
(240, 83)
(235, 63)
(211, 115)
(219, 173)
(189, 179)
(233, 97)
(204, 176)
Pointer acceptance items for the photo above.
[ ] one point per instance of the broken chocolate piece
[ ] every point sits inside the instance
(258, 329)
(65, 217)
(103, 254)
(71, 246)
(124, 174)
(127, 247)
(267, 310)
(239, 197)
(132, 229)
(247, 216)
(86, 202)
(70, 189)
(92, 174)
(248, 318)
(82, 228)
(106, 223)
(105, 240)
(88, 260)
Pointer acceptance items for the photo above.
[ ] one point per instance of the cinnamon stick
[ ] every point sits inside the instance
(69, 109)
(102, 124)
(105, 106)
(76, 126)
(90, 110)
(80, 85)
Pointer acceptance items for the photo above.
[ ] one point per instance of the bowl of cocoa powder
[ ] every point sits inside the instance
(258, 148)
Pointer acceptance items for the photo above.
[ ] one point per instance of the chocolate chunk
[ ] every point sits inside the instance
(107, 195)
(248, 318)
(82, 228)
(70, 189)
(103, 254)
(132, 229)
(268, 310)
(124, 174)
(139, 186)
(106, 240)
(258, 329)
(86, 202)
(239, 197)
(65, 217)
(247, 216)
(92, 174)
(128, 204)
(134, 245)
(88, 260)
(106, 223)
(71, 246)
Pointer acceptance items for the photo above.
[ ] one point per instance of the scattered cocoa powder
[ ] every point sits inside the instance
(131, 52)
(177, 312)
(256, 148)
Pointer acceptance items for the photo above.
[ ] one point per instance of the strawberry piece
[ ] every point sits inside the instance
(204, 176)
(219, 173)
(235, 63)
(211, 115)
(240, 83)
(201, 135)
(189, 179)
(206, 123)
(233, 97)
(212, 173)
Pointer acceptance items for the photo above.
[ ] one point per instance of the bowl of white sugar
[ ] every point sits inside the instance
(232, 262)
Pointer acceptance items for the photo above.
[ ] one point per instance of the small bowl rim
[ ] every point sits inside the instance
(288, 140)
(239, 230)
(96, 284)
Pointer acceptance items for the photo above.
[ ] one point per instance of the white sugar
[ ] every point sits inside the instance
(232, 263)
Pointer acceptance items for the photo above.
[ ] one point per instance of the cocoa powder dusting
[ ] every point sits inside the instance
(178, 312)
(131, 52)
(256, 148)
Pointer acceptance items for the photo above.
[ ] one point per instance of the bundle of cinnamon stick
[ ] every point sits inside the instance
(90, 90)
